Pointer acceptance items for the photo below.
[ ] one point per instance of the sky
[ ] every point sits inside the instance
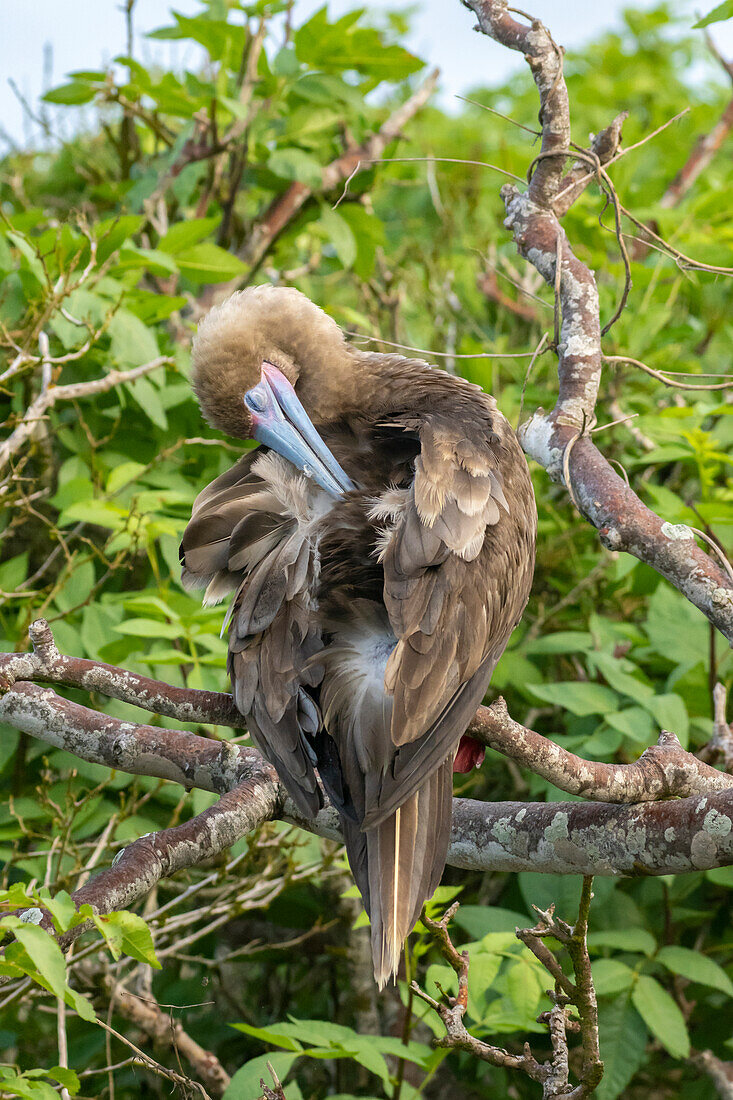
(79, 34)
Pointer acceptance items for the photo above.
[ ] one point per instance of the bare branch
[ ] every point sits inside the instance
(604, 147)
(164, 1030)
(452, 1011)
(623, 521)
(553, 1074)
(49, 666)
(663, 770)
(722, 740)
(33, 419)
(286, 206)
(719, 1072)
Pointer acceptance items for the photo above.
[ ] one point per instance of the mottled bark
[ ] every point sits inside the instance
(663, 770)
(559, 440)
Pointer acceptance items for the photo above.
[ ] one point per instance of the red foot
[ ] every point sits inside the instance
(470, 755)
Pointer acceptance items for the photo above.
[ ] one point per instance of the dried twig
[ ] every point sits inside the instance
(146, 1014)
(662, 377)
(33, 418)
(553, 1075)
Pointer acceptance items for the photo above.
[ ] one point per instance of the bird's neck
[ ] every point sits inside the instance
(374, 386)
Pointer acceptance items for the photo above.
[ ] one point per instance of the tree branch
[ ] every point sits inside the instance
(685, 834)
(558, 440)
(604, 146)
(48, 397)
(707, 145)
(146, 1014)
(553, 1074)
(286, 206)
(46, 664)
(663, 770)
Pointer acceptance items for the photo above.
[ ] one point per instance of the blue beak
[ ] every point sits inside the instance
(281, 423)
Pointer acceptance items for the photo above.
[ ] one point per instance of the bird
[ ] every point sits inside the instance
(378, 548)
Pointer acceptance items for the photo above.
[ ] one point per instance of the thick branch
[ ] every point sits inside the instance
(662, 771)
(545, 59)
(49, 666)
(564, 838)
(142, 864)
(604, 146)
(558, 440)
(651, 838)
(184, 758)
(645, 838)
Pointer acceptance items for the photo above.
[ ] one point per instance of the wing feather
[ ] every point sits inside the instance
(250, 533)
(457, 570)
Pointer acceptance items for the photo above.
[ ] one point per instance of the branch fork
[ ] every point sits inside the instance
(553, 1075)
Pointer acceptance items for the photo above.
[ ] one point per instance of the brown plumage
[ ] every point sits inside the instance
(365, 624)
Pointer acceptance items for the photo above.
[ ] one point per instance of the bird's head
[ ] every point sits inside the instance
(266, 363)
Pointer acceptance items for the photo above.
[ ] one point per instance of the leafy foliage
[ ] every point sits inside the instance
(112, 245)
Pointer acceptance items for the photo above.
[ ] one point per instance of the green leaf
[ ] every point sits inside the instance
(149, 259)
(43, 951)
(617, 674)
(70, 95)
(294, 164)
(661, 1015)
(717, 15)
(146, 396)
(66, 1077)
(695, 966)
(634, 722)
(136, 941)
(22, 1086)
(132, 343)
(623, 1043)
(478, 920)
(611, 976)
(579, 698)
(625, 939)
(523, 989)
(272, 1036)
(207, 263)
(124, 474)
(563, 641)
(245, 1084)
(670, 713)
(96, 512)
(61, 908)
(484, 969)
(149, 628)
(340, 235)
(186, 233)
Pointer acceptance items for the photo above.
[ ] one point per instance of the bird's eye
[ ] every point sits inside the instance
(255, 401)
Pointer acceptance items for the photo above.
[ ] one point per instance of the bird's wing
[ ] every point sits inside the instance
(457, 569)
(249, 533)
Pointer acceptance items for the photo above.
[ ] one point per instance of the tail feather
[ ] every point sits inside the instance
(399, 863)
